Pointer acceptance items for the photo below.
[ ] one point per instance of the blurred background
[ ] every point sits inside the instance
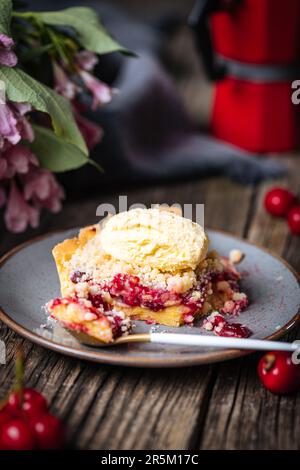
(208, 92)
(179, 53)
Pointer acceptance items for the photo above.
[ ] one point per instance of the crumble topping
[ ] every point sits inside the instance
(236, 256)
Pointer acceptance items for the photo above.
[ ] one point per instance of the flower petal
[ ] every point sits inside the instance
(18, 213)
(86, 60)
(42, 187)
(63, 84)
(8, 124)
(6, 41)
(91, 132)
(101, 92)
(8, 58)
(18, 159)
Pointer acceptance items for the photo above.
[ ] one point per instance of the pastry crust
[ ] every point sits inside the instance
(170, 316)
(64, 251)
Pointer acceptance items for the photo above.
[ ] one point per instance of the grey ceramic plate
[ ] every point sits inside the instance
(28, 279)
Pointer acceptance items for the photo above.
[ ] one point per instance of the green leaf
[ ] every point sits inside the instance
(5, 16)
(20, 87)
(91, 33)
(54, 153)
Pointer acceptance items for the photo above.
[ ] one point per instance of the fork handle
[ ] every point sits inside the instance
(223, 342)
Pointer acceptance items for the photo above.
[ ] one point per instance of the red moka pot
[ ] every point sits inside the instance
(251, 48)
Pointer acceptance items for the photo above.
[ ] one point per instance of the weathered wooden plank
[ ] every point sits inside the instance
(227, 205)
(146, 409)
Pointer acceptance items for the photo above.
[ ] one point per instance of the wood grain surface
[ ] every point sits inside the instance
(221, 406)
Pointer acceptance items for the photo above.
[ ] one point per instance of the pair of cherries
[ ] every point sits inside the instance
(281, 202)
(25, 421)
(26, 424)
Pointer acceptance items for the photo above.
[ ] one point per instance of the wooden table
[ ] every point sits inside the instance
(220, 406)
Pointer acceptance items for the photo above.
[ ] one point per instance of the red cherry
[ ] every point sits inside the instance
(33, 402)
(13, 402)
(278, 373)
(16, 435)
(294, 219)
(32, 398)
(32, 408)
(5, 416)
(278, 201)
(48, 431)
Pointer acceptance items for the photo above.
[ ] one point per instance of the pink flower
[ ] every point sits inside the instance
(62, 83)
(7, 56)
(8, 125)
(42, 188)
(91, 132)
(24, 126)
(18, 213)
(22, 108)
(2, 196)
(101, 92)
(14, 126)
(25, 129)
(86, 60)
(18, 159)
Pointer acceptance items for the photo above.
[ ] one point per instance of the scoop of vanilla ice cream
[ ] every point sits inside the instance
(161, 239)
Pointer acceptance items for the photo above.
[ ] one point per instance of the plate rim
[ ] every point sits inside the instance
(121, 360)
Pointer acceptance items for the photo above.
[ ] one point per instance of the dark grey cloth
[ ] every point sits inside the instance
(148, 135)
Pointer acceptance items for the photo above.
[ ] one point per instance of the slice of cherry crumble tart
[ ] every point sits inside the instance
(144, 264)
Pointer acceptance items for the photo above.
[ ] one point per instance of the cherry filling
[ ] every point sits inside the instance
(98, 301)
(195, 298)
(127, 289)
(80, 328)
(221, 327)
(77, 276)
(56, 302)
(234, 330)
(117, 324)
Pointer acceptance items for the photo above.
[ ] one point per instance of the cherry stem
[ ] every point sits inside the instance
(19, 378)
(19, 373)
(269, 362)
(3, 403)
